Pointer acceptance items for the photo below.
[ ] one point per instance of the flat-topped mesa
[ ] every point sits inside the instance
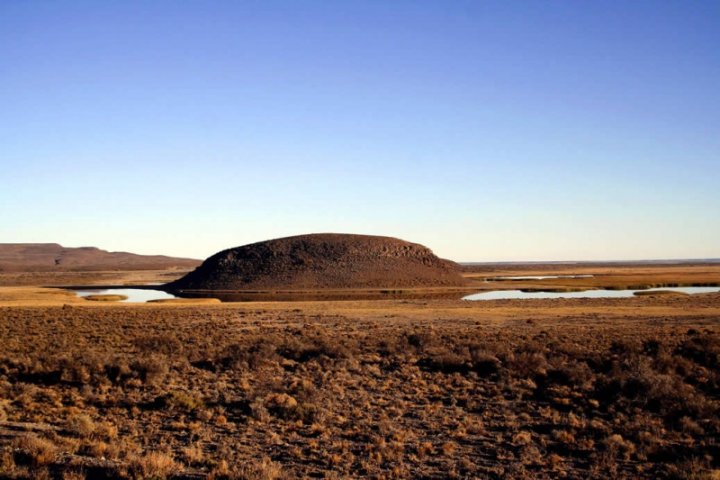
(322, 261)
(50, 257)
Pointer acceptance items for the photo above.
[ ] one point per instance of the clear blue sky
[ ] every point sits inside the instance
(486, 130)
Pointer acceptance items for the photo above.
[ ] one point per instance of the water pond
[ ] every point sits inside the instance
(534, 277)
(519, 294)
(139, 295)
(133, 294)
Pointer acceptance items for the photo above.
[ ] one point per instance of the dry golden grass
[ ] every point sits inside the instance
(37, 296)
(111, 277)
(624, 388)
(616, 277)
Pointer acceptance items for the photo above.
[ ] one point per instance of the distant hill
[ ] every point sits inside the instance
(322, 261)
(43, 257)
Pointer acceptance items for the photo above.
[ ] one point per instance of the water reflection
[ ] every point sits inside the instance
(534, 277)
(146, 294)
(519, 294)
(320, 296)
(134, 294)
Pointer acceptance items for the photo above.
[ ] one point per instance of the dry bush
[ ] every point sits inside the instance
(563, 436)
(151, 370)
(96, 449)
(616, 445)
(636, 382)
(458, 357)
(421, 341)
(7, 460)
(153, 465)
(264, 469)
(339, 397)
(282, 405)
(527, 364)
(445, 361)
(70, 475)
(484, 362)
(692, 469)
(106, 430)
(181, 401)
(306, 349)
(522, 438)
(193, 455)
(570, 372)
(166, 344)
(118, 371)
(35, 451)
(702, 349)
(80, 426)
(251, 355)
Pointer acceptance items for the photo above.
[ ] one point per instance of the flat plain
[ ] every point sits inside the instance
(373, 388)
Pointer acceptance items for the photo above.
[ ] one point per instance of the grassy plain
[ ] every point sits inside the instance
(603, 276)
(416, 388)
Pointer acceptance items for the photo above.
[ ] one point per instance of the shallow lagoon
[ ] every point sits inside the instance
(134, 294)
(534, 277)
(519, 294)
(140, 295)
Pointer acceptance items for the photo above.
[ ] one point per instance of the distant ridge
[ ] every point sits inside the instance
(322, 261)
(43, 257)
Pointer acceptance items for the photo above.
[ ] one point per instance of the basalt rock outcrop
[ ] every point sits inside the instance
(322, 261)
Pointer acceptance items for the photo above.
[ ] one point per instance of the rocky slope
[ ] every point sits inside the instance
(322, 261)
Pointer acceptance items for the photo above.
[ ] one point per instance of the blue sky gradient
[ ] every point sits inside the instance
(486, 130)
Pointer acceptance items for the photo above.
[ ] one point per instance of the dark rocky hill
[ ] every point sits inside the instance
(44, 257)
(322, 261)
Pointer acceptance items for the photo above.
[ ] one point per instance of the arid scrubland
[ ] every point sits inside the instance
(625, 388)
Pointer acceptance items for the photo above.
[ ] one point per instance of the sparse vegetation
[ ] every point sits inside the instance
(628, 388)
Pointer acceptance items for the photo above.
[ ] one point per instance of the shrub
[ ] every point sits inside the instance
(35, 450)
(615, 444)
(702, 349)
(263, 469)
(528, 364)
(80, 426)
(181, 401)
(153, 465)
(7, 461)
(485, 363)
(251, 356)
(446, 362)
(151, 370)
(165, 344)
(303, 351)
(282, 405)
(420, 340)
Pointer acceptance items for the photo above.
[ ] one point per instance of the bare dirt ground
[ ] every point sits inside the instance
(577, 388)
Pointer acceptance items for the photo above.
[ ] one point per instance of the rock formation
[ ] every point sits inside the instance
(322, 261)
